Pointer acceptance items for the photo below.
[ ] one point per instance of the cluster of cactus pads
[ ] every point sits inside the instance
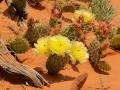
(95, 54)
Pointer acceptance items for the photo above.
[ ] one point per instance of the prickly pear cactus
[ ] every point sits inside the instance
(55, 63)
(19, 45)
(36, 31)
(103, 65)
(94, 56)
(115, 42)
(69, 32)
(94, 51)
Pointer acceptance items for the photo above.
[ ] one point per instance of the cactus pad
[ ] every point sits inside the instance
(69, 32)
(94, 51)
(103, 65)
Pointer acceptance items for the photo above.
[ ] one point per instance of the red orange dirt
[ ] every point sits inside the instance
(64, 80)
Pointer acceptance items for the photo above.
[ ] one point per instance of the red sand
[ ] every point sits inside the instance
(64, 80)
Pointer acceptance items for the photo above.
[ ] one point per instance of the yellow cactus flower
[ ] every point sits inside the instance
(59, 44)
(88, 16)
(42, 46)
(78, 52)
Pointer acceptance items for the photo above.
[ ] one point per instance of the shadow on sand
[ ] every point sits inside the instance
(54, 78)
(10, 78)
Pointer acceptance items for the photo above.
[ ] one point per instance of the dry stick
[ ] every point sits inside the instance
(20, 70)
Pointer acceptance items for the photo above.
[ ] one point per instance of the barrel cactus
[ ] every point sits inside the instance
(36, 31)
(19, 45)
(55, 63)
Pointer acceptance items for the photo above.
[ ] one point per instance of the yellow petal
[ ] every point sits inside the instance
(78, 52)
(88, 16)
(59, 44)
(42, 46)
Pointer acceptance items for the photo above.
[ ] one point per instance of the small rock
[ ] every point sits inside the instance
(79, 82)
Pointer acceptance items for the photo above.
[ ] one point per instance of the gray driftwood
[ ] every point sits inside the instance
(11, 66)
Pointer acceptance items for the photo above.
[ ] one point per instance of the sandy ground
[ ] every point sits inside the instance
(64, 80)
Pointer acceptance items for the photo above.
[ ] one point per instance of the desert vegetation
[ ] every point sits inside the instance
(61, 40)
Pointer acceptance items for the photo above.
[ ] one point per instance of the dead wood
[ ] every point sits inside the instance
(11, 66)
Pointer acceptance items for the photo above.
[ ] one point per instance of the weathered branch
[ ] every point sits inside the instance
(11, 66)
